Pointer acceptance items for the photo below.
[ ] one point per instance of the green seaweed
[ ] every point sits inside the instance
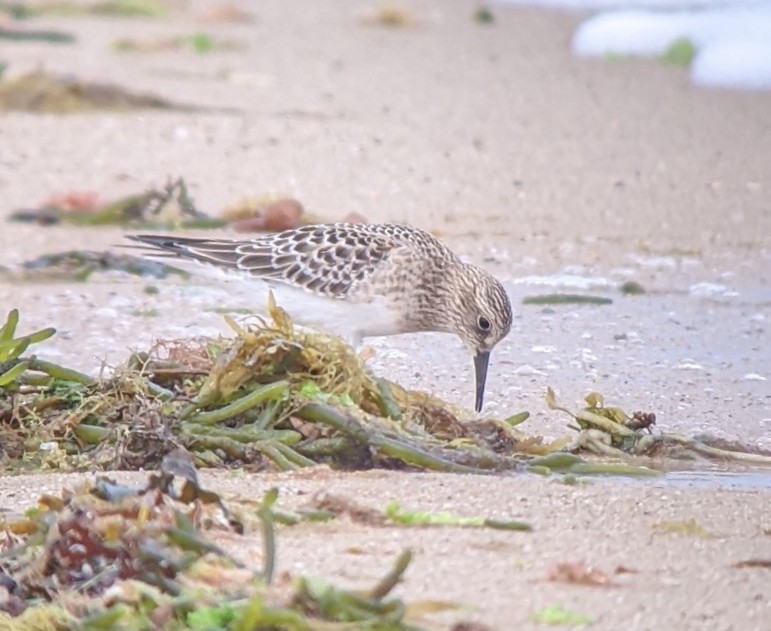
(631, 288)
(397, 515)
(554, 615)
(681, 52)
(566, 299)
(483, 15)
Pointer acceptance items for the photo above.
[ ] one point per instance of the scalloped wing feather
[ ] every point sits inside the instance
(326, 259)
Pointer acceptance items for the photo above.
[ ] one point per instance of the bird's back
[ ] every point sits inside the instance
(330, 260)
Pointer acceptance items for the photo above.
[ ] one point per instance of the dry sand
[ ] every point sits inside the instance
(527, 161)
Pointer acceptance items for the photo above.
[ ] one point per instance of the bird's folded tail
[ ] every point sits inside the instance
(214, 252)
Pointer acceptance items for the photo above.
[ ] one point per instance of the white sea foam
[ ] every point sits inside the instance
(732, 39)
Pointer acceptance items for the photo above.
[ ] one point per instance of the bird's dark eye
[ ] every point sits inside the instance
(483, 324)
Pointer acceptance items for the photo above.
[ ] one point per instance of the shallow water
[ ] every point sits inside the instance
(758, 479)
(716, 479)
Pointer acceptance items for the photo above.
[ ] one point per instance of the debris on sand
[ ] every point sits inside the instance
(265, 214)
(391, 16)
(15, 33)
(79, 265)
(610, 431)
(200, 43)
(74, 8)
(169, 207)
(108, 556)
(50, 94)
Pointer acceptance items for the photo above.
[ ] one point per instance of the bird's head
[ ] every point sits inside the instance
(483, 318)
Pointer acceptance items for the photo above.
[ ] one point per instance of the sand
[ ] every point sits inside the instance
(527, 161)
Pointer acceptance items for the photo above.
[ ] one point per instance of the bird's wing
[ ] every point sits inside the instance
(324, 259)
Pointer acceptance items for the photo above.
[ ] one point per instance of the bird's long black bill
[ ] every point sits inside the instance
(481, 360)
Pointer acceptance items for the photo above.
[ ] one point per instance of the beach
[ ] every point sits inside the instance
(555, 173)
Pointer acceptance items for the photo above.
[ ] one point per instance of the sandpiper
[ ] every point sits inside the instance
(363, 280)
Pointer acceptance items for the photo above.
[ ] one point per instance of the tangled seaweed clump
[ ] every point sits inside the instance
(271, 396)
(281, 398)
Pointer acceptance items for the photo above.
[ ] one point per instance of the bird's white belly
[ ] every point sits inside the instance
(346, 318)
(350, 320)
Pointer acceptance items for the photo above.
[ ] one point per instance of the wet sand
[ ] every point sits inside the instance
(550, 171)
